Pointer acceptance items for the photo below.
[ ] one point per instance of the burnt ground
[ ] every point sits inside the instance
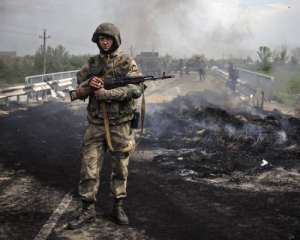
(200, 172)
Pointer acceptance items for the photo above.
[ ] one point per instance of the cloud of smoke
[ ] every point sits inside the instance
(183, 27)
(180, 28)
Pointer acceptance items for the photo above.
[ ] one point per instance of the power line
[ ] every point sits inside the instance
(44, 37)
(18, 32)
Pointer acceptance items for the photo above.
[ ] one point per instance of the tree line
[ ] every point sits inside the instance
(282, 63)
(13, 70)
(269, 59)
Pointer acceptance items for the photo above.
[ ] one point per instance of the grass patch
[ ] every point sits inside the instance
(294, 83)
(285, 98)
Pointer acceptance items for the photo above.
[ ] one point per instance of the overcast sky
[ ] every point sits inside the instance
(178, 27)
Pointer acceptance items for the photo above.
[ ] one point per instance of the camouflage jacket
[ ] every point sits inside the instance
(121, 103)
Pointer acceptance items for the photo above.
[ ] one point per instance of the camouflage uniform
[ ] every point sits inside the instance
(120, 105)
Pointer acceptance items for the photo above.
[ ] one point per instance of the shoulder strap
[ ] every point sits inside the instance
(106, 127)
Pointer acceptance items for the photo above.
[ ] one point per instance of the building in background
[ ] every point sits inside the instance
(8, 54)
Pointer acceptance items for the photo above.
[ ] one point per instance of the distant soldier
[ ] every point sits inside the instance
(187, 68)
(180, 67)
(201, 70)
(110, 116)
(233, 75)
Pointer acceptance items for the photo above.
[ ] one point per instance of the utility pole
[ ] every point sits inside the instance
(44, 37)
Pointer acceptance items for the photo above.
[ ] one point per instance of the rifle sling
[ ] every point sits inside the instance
(106, 121)
(106, 127)
(143, 111)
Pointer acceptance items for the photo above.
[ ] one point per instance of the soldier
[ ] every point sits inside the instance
(180, 67)
(233, 75)
(110, 115)
(201, 70)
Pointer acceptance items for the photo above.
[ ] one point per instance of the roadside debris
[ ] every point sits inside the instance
(264, 163)
(208, 139)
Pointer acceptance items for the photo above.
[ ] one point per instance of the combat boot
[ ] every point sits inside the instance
(119, 214)
(87, 215)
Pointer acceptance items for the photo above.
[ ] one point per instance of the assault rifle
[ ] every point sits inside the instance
(114, 82)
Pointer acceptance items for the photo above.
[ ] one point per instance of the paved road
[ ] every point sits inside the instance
(39, 165)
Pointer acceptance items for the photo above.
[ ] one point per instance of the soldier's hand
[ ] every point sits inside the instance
(101, 93)
(96, 82)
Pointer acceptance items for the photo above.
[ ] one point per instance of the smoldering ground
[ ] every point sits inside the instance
(220, 171)
(211, 134)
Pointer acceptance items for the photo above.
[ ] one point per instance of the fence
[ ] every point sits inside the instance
(38, 87)
(252, 86)
(29, 80)
(258, 81)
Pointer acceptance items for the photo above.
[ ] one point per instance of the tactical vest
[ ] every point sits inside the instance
(113, 65)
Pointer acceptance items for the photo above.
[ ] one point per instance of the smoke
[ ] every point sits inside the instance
(183, 27)
(195, 116)
(180, 28)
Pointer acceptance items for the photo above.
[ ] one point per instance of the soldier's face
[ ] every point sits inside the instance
(105, 43)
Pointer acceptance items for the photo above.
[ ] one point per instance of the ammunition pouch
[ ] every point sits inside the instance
(135, 120)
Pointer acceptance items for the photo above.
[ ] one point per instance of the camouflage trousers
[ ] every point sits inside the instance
(92, 151)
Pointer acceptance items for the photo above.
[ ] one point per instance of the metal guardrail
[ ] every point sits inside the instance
(254, 80)
(257, 80)
(36, 88)
(18, 91)
(220, 73)
(50, 77)
(253, 86)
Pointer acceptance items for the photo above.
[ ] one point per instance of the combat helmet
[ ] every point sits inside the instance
(110, 30)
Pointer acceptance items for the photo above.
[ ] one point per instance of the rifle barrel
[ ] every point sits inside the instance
(117, 82)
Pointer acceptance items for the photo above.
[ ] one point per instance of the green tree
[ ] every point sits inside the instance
(38, 61)
(295, 56)
(265, 56)
(3, 69)
(249, 60)
(14, 70)
(76, 61)
(57, 59)
(281, 56)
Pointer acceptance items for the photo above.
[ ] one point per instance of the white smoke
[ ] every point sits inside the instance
(181, 28)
